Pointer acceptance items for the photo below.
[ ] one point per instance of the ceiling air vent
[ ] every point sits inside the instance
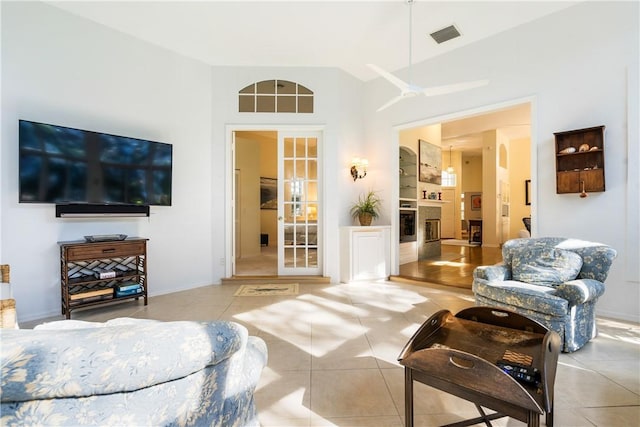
(445, 34)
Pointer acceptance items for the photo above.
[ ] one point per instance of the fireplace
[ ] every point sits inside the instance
(431, 230)
(428, 230)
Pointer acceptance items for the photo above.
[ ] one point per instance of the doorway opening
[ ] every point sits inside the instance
(490, 153)
(256, 209)
(275, 202)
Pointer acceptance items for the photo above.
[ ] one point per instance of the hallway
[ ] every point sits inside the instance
(454, 266)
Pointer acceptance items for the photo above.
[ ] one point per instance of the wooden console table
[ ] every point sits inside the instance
(81, 265)
(458, 355)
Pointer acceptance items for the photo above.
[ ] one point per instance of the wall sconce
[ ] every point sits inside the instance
(359, 168)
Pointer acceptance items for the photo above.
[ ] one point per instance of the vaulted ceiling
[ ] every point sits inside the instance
(343, 34)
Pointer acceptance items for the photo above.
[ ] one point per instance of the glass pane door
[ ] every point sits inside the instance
(299, 206)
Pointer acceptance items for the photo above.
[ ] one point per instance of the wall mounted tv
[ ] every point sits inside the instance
(71, 166)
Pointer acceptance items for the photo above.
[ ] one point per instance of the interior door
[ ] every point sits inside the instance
(299, 202)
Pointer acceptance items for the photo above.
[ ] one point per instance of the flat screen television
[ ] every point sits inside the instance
(63, 165)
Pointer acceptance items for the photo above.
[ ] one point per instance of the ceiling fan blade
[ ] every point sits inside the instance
(390, 77)
(390, 103)
(455, 87)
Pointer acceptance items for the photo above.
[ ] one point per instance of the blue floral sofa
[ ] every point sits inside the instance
(553, 280)
(130, 372)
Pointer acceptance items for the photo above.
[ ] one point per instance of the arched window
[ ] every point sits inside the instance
(275, 96)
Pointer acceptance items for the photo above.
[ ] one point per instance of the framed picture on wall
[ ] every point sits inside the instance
(430, 159)
(476, 202)
(268, 193)
(527, 192)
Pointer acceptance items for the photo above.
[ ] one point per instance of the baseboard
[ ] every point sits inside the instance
(616, 316)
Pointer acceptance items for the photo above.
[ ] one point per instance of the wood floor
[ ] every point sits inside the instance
(454, 267)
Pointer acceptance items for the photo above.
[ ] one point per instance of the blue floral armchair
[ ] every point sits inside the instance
(130, 372)
(555, 281)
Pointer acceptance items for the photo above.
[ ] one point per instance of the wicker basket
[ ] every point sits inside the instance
(365, 219)
(7, 306)
(5, 273)
(7, 313)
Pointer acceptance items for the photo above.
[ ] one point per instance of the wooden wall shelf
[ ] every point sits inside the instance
(580, 171)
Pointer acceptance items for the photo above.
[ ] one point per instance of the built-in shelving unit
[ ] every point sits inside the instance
(408, 174)
(408, 205)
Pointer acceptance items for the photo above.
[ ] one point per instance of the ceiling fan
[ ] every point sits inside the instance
(408, 89)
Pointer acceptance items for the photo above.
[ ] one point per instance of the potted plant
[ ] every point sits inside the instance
(367, 208)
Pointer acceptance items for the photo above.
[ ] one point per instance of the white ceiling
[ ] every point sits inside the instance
(466, 134)
(343, 34)
(331, 33)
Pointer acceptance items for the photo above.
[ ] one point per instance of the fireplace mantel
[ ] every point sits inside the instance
(431, 202)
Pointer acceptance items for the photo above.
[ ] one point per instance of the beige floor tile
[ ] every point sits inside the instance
(282, 396)
(390, 421)
(383, 328)
(453, 417)
(342, 352)
(171, 312)
(387, 349)
(318, 309)
(106, 312)
(422, 311)
(268, 420)
(350, 393)
(287, 356)
(573, 418)
(615, 416)
(427, 400)
(579, 386)
(623, 372)
(608, 346)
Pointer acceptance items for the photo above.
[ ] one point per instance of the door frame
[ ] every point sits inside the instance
(395, 151)
(229, 174)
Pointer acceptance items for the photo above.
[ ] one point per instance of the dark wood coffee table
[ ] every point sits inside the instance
(458, 355)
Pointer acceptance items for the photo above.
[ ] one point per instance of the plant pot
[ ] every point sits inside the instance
(365, 219)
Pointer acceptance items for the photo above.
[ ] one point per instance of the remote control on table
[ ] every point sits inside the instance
(523, 373)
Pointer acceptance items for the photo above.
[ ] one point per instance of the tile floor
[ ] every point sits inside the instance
(333, 349)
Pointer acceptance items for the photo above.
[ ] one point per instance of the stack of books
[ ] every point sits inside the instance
(91, 295)
(104, 274)
(128, 289)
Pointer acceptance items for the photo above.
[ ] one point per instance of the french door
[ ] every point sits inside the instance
(299, 204)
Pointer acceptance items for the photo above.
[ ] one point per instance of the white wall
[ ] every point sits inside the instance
(519, 171)
(579, 68)
(64, 70)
